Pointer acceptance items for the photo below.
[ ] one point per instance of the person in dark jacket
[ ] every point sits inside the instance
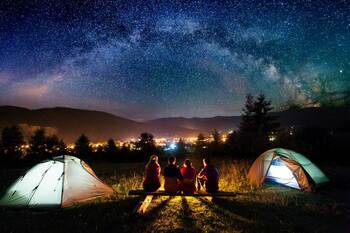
(152, 173)
(208, 177)
(172, 176)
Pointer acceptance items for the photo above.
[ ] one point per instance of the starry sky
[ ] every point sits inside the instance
(149, 59)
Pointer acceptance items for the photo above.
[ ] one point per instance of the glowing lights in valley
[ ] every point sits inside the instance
(171, 146)
(291, 131)
(272, 137)
(167, 143)
(224, 138)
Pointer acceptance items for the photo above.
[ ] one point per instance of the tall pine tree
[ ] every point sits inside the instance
(11, 141)
(82, 147)
(256, 125)
(38, 146)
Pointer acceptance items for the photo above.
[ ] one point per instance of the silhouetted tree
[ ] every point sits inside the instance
(125, 152)
(82, 147)
(146, 145)
(55, 146)
(11, 142)
(247, 122)
(111, 150)
(180, 149)
(216, 137)
(256, 125)
(233, 145)
(264, 122)
(247, 129)
(214, 148)
(62, 148)
(38, 147)
(201, 145)
(100, 153)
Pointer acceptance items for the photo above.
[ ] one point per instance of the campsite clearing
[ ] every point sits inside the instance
(270, 209)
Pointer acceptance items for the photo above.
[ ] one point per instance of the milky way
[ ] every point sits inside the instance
(144, 60)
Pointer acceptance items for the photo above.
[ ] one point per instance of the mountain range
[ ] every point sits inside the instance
(69, 123)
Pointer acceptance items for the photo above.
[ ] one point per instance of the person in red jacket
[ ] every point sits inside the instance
(152, 173)
(189, 177)
(208, 177)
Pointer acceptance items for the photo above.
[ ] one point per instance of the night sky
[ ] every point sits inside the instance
(145, 60)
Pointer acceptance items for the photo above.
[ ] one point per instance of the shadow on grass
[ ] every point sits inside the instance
(144, 223)
(106, 216)
(251, 216)
(247, 215)
(188, 222)
(156, 210)
(233, 219)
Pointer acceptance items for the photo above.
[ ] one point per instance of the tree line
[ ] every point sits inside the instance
(259, 130)
(254, 135)
(14, 151)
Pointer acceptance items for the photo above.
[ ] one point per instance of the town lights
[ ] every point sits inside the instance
(224, 138)
(272, 137)
(172, 146)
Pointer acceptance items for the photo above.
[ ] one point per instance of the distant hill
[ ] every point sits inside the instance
(326, 117)
(69, 123)
(204, 125)
(330, 117)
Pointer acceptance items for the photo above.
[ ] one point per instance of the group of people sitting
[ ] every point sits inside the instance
(181, 180)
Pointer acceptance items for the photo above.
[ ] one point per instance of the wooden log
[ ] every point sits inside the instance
(142, 206)
(202, 194)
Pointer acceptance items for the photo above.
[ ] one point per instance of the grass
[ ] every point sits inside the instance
(270, 209)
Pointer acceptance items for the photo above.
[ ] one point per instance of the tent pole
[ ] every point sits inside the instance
(64, 173)
(36, 188)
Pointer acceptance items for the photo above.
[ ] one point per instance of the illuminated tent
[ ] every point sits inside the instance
(59, 182)
(286, 167)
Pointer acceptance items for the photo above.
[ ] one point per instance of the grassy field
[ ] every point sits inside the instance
(270, 209)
